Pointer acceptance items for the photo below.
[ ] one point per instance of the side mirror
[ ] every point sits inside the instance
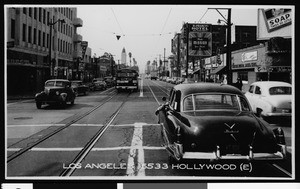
(164, 99)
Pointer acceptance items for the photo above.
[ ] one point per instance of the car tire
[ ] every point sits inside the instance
(38, 105)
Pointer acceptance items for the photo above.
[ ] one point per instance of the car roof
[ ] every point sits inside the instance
(64, 80)
(191, 88)
(271, 83)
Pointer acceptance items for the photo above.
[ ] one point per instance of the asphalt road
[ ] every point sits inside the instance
(130, 147)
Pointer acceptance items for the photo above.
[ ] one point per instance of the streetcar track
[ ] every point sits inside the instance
(66, 125)
(90, 144)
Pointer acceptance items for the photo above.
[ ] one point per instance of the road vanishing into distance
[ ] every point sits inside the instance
(109, 135)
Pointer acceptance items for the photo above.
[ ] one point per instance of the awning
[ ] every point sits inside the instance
(194, 72)
(217, 70)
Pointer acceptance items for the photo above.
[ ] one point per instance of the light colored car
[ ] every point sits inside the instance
(270, 98)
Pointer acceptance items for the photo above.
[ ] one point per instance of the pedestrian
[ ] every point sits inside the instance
(224, 81)
(239, 83)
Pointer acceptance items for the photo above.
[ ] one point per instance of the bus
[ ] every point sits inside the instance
(127, 79)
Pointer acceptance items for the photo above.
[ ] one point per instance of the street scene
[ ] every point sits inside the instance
(208, 99)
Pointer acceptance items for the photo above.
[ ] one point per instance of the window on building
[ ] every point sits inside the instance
(48, 17)
(243, 76)
(47, 40)
(24, 32)
(35, 13)
(30, 12)
(44, 16)
(40, 14)
(71, 15)
(34, 35)
(52, 43)
(13, 28)
(29, 34)
(39, 38)
(58, 45)
(44, 39)
(58, 26)
(24, 10)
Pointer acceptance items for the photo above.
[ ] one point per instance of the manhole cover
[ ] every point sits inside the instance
(23, 118)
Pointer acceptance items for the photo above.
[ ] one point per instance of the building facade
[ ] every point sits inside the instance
(30, 62)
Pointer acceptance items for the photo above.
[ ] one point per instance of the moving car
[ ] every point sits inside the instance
(79, 87)
(56, 91)
(210, 121)
(98, 84)
(270, 98)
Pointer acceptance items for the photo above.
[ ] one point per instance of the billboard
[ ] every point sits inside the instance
(200, 40)
(275, 22)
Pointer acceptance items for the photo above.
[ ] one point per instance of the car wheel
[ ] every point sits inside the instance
(38, 105)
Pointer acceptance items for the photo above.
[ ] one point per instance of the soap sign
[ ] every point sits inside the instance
(277, 18)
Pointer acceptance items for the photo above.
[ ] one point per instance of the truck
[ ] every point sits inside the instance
(153, 74)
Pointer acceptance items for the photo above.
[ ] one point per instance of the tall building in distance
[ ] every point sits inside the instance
(123, 56)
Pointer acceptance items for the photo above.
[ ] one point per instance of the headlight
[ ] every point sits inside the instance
(57, 92)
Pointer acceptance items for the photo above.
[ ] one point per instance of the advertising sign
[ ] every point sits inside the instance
(249, 56)
(275, 22)
(277, 18)
(84, 45)
(200, 40)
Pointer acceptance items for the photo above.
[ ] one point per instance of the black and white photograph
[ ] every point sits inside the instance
(149, 92)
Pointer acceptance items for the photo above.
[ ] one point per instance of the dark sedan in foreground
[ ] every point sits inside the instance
(211, 121)
(56, 91)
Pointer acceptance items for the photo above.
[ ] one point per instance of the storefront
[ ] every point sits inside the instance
(258, 64)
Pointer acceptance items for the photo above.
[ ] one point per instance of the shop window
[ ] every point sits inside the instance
(29, 34)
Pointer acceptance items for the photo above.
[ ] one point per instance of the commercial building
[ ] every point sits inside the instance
(34, 52)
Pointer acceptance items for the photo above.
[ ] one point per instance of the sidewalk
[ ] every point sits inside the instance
(20, 97)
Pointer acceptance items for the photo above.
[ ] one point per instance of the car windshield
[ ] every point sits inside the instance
(196, 102)
(55, 83)
(75, 84)
(280, 90)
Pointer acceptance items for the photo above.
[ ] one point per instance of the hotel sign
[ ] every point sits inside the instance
(277, 18)
(249, 56)
(200, 40)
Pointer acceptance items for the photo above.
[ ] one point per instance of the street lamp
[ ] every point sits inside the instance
(50, 48)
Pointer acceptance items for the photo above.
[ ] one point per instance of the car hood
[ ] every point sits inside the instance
(211, 128)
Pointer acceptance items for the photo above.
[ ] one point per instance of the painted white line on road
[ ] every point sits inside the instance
(136, 154)
(141, 89)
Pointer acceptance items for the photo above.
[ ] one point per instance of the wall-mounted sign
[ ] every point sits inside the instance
(277, 18)
(249, 56)
(84, 45)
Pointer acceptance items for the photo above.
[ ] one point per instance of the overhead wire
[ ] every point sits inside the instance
(203, 15)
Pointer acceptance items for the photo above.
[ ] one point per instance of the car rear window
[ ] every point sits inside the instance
(280, 90)
(212, 101)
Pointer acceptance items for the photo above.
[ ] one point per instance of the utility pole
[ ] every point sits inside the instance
(164, 68)
(187, 51)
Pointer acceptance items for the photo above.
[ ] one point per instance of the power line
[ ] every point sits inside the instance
(117, 20)
(166, 21)
(203, 15)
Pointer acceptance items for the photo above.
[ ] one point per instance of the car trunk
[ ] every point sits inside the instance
(232, 131)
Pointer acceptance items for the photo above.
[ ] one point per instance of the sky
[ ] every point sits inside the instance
(146, 30)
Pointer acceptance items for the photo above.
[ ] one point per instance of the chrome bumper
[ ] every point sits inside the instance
(251, 156)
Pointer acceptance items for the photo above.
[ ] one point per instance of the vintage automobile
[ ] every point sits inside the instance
(270, 98)
(98, 84)
(79, 87)
(110, 81)
(210, 121)
(56, 91)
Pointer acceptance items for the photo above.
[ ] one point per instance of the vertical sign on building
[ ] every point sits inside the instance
(84, 45)
(200, 40)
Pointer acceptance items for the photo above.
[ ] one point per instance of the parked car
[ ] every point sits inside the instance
(56, 91)
(79, 87)
(270, 98)
(209, 121)
(110, 82)
(98, 84)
